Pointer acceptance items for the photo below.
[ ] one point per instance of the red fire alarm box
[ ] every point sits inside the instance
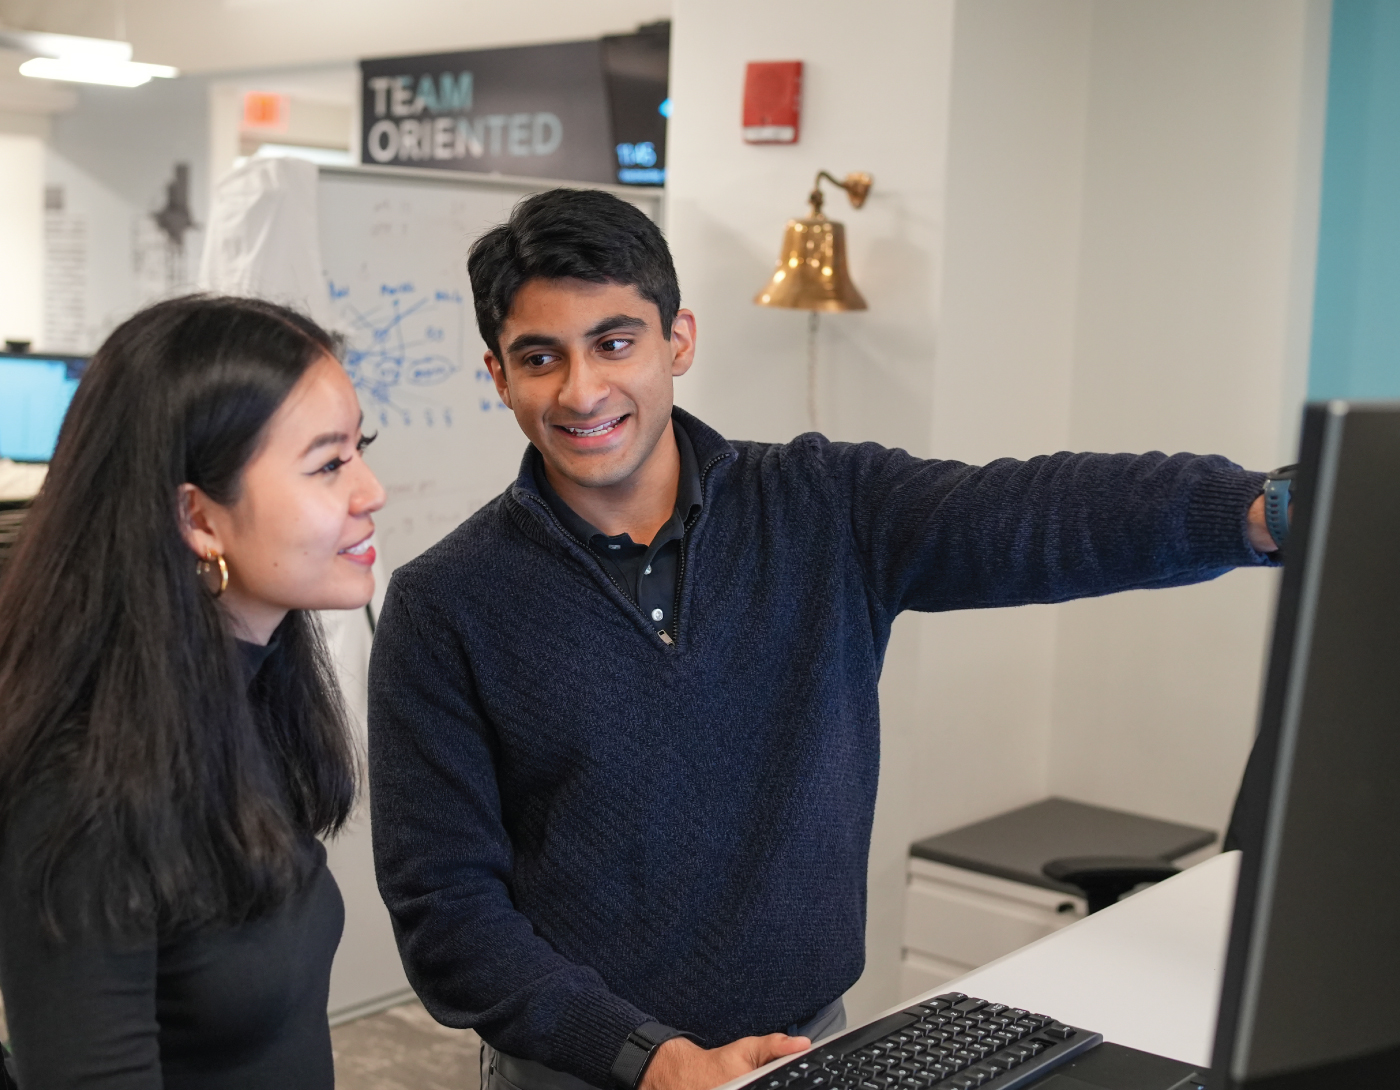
(772, 102)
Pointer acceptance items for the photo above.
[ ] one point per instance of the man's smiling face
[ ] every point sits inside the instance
(588, 373)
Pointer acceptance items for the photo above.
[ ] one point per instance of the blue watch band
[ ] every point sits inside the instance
(1278, 490)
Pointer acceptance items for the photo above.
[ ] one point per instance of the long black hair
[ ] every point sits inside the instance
(123, 699)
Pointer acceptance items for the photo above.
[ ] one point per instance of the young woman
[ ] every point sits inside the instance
(171, 736)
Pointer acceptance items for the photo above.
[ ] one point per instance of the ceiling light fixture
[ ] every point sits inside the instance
(81, 60)
(111, 73)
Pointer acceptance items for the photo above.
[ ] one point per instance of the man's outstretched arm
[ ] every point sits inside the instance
(939, 535)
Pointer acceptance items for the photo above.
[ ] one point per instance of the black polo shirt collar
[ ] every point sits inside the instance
(629, 561)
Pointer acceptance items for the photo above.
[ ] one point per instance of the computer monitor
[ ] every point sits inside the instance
(34, 394)
(1311, 992)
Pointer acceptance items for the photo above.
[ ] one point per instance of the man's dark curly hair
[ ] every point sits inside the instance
(579, 234)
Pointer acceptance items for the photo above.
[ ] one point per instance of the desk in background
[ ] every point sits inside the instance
(977, 893)
(1145, 972)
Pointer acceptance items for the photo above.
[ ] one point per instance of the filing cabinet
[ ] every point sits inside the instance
(977, 892)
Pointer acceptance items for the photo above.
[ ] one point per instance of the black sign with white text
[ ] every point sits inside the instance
(539, 111)
(547, 111)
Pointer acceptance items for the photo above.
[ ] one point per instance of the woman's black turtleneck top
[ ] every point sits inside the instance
(236, 1007)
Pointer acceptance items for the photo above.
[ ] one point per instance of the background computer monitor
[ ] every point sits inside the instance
(1311, 994)
(34, 394)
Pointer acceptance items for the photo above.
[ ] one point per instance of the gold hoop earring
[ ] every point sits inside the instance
(206, 568)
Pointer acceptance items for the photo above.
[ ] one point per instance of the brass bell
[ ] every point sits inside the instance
(811, 272)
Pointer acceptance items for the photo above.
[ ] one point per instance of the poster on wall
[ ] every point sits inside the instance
(591, 111)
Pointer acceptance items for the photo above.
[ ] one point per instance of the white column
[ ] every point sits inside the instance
(21, 237)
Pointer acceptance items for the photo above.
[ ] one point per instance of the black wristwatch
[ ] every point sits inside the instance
(637, 1051)
(1278, 490)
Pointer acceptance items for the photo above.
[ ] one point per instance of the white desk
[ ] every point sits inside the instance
(1145, 972)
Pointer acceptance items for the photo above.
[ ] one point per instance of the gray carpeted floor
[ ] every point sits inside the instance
(398, 1049)
(404, 1049)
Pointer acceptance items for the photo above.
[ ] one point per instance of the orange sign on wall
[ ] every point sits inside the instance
(266, 110)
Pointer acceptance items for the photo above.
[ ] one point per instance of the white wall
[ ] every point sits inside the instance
(1205, 130)
(113, 155)
(1090, 227)
(21, 236)
(872, 102)
(979, 742)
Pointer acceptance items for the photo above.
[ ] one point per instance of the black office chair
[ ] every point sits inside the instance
(1105, 878)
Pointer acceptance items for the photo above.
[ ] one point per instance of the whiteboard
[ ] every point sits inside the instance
(394, 252)
(394, 249)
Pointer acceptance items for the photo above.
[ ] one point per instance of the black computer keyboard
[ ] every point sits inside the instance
(950, 1042)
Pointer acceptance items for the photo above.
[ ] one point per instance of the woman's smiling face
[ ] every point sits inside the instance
(298, 536)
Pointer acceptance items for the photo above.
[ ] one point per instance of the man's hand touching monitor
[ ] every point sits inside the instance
(680, 1064)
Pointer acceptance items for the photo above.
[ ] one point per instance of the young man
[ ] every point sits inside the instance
(624, 728)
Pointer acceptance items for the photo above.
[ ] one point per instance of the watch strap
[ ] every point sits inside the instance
(637, 1051)
(1278, 490)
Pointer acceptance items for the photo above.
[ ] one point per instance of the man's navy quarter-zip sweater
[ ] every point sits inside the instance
(580, 826)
